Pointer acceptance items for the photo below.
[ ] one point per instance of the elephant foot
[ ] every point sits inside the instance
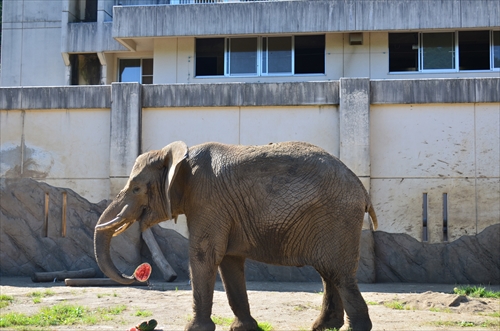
(359, 324)
(332, 324)
(198, 325)
(244, 325)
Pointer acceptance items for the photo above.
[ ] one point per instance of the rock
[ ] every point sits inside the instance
(467, 260)
(28, 246)
(456, 301)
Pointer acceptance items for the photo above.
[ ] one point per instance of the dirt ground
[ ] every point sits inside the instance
(285, 306)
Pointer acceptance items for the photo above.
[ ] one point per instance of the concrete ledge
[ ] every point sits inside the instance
(90, 37)
(456, 90)
(302, 17)
(240, 94)
(55, 97)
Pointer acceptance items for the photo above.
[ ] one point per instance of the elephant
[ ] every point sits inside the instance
(289, 203)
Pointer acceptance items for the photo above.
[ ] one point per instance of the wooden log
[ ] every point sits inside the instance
(61, 275)
(159, 259)
(98, 282)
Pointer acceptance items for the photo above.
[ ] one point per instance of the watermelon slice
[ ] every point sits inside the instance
(143, 272)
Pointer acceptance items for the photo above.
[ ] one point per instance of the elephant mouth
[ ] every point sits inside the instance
(119, 224)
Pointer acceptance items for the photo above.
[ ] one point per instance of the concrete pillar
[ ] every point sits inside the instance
(125, 140)
(354, 122)
(355, 126)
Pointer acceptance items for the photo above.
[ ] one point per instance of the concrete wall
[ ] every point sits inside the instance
(32, 27)
(433, 136)
(281, 17)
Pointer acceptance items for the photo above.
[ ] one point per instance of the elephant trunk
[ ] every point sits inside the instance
(102, 244)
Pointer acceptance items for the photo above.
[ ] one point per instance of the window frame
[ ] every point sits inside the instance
(259, 58)
(456, 51)
(141, 74)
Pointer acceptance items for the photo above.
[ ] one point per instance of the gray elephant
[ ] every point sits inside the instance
(289, 204)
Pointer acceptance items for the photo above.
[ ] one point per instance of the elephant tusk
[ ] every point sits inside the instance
(121, 229)
(109, 224)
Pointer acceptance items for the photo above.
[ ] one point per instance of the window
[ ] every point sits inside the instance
(438, 51)
(257, 56)
(85, 69)
(277, 55)
(210, 57)
(136, 70)
(403, 51)
(310, 54)
(242, 53)
(444, 51)
(496, 49)
(474, 50)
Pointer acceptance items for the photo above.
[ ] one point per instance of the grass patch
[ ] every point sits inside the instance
(227, 321)
(440, 310)
(476, 292)
(397, 305)
(5, 300)
(60, 315)
(39, 294)
(265, 326)
(371, 303)
(467, 324)
(143, 313)
(223, 321)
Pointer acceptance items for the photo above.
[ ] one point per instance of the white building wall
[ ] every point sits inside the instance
(436, 149)
(64, 148)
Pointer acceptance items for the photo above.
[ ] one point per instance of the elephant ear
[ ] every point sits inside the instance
(173, 154)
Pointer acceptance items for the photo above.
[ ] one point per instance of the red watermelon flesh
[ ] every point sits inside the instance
(143, 272)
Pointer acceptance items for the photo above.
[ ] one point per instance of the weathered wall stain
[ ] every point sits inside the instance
(25, 162)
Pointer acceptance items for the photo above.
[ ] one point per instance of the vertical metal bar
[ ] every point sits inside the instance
(45, 228)
(425, 235)
(445, 216)
(63, 214)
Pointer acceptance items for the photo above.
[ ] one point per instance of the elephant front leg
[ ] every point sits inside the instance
(232, 270)
(202, 282)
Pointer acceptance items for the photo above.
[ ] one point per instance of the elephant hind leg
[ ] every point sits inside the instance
(355, 306)
(232, 270)
(332, 309)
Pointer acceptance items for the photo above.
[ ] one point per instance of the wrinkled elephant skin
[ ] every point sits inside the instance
(286, 204)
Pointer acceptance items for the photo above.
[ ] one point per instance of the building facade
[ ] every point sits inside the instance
(405, 92)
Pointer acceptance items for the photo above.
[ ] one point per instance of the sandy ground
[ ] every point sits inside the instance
(286, 306)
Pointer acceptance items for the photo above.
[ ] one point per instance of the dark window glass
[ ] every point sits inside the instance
(147, 71)
(403, 52)
(91, 11)
(310, 54)
(210, 57)
(85, 69)
(496, 49)
(474, 50)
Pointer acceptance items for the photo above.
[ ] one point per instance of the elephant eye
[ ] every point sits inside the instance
(136, 190)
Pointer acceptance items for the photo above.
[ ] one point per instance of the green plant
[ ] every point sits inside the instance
(143, 313)
(223, 321)
(440, 310)
(62, 314)
(476, 292)
(227, 321)
(5, 300)
(371, 303)
(397, 305)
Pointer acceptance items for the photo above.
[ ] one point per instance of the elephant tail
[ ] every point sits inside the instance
(373, 216)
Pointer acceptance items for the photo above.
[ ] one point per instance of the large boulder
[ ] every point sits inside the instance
(33, 241)
(467, 260)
